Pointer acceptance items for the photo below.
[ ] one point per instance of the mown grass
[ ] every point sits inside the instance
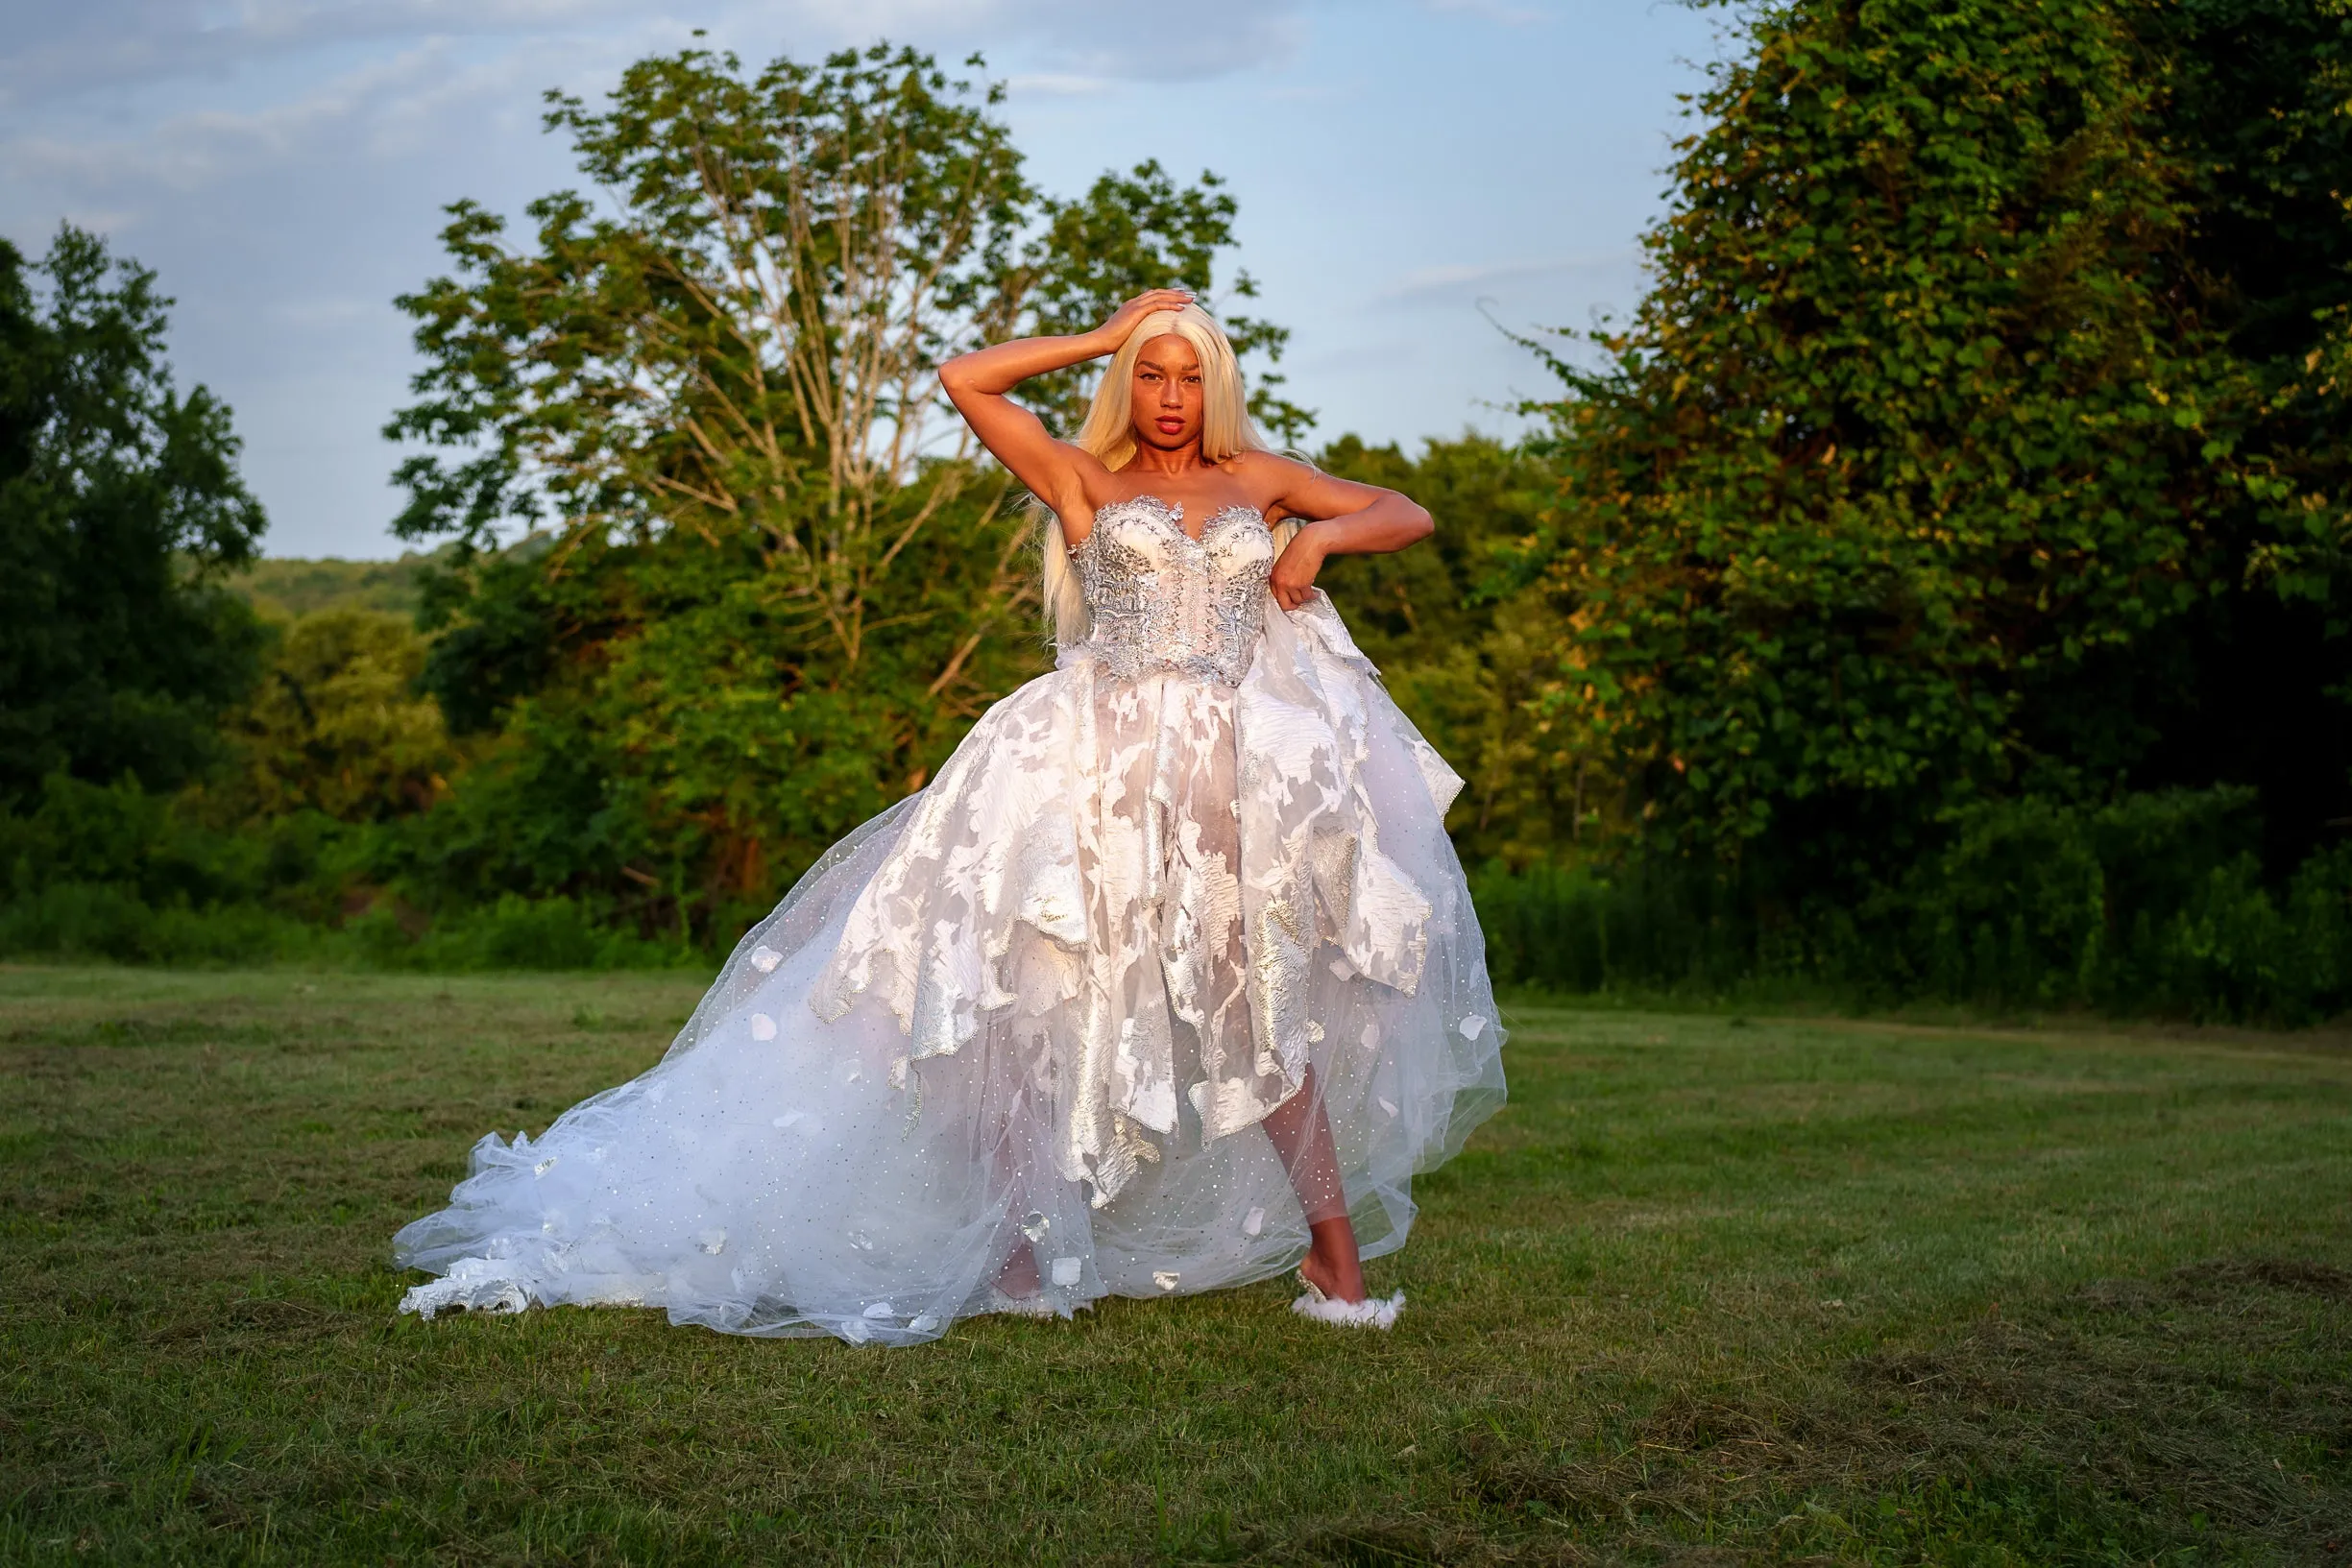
(1710, 1290)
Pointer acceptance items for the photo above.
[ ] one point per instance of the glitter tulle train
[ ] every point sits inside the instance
(1194, 878)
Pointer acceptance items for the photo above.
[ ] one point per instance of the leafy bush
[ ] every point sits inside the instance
(1982, 437)
(515, 933)
(2014, 910)
(2155, 904)
(110, 871)
(338, 725)
(153, 850)
(1650, 924)
(108, 921)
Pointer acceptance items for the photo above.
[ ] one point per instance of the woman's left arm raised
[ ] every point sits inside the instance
(1335, 517)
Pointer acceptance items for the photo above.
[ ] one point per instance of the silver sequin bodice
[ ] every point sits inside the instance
(1161, 599)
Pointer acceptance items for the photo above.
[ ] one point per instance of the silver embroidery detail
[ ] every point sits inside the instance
(1164, 600)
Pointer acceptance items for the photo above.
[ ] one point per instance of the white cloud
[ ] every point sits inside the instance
(63, 50)
(1060, 84)
(1459, 283)
(118, 103)
(373, 112)
(59, 51)
(1491, 11)
(111, 222)
(1136, 41)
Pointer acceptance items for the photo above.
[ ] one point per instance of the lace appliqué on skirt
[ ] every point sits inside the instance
(1039, 1006)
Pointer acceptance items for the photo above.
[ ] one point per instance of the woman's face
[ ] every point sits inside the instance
(1168, 396)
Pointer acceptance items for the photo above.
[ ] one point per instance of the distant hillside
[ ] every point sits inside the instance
(285, 587)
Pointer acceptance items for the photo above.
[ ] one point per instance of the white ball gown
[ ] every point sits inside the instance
(1196, 877)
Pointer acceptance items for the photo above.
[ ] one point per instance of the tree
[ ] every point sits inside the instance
(2254, 687)
(1468, 659)
(337, 724)
(120, 509)
(1910, 448)
(1128, 233)
(779, 583)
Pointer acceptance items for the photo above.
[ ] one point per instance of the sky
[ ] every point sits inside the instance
(1414, 176)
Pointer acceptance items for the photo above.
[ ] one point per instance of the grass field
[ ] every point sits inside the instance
(1710, 1290)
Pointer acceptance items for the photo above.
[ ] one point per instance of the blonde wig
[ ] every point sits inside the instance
(1109, 435)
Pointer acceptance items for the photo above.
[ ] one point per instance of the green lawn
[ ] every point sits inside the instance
(1708, 1291)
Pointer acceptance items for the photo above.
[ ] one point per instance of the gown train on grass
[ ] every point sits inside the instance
(1082, 995)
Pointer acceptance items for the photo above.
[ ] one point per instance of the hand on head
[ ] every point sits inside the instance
(1150, 301)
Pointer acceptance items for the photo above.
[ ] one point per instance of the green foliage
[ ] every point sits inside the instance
(2256, 683)
(104, 921)
(337, 724)
(781, 587)
(1468, 661)
(120, 508)
(1131, 232)
(119, 871)
(513, 933)
(1648, 927)
(740, 348)
(122, 874)
(1918, 475)
(287, 589)
(2151, 904)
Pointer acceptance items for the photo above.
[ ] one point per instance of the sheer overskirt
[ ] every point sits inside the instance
(1046, 1004)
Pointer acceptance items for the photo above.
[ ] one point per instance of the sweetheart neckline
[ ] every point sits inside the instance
(1171, 514)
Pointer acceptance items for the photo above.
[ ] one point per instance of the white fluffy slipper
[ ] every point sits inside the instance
(1372, 1313)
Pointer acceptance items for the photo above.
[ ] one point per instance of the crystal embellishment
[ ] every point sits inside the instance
(1161, 599)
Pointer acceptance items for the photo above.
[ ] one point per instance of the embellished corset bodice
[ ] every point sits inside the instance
(1161, 599)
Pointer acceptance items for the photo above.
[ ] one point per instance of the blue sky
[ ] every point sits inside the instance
(1405, 168)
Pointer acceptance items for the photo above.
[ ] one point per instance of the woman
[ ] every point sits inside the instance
(1169, 977)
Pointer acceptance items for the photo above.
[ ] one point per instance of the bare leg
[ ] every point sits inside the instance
(1019, 1278)
(1301, 1135)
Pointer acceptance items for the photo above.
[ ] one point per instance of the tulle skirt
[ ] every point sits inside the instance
(1046, 1003)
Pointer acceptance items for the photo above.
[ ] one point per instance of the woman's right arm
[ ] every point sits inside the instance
(976, 384)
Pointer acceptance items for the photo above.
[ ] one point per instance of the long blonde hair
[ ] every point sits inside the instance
(1109, 436)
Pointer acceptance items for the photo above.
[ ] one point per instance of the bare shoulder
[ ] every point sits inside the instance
(1271, 477)
(1287, 488)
